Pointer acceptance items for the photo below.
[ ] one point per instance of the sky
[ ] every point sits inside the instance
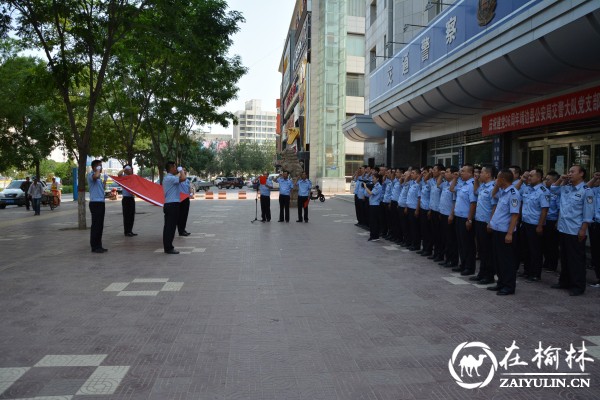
(260, 44)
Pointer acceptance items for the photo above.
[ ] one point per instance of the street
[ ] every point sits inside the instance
(278, 311)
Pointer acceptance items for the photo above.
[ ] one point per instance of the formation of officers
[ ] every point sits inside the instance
(286, 185)
(452, 216)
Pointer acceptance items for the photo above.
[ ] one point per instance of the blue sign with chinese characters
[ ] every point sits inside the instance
(456, 27)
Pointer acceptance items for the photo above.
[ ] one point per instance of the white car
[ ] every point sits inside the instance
(218, 180)
(13, 195)
(272, 178)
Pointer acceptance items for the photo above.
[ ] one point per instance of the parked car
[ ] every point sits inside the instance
(250, 181)
(218, 180)
(13, 195)
(230, 183)
(198, 184)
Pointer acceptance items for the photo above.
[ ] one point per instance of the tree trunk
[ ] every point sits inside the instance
(81, 181)
(37, 169)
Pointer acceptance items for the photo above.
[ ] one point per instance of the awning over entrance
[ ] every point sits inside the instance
(553, 49)
(362, 128)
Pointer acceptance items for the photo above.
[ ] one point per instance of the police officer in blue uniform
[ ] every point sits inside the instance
(265, 186)
(128, 204)
(97, 182)
(394, 209)
(536, 203)
(551, 237)
(385, 203)
(304, 185)
(175, 175)
(448, 231)
(412, 208)
(502, 226)
(285, 190)
(576, 214)
(184, 207)
(594, 228)
(403, 212)
(424, 213)
(464, 212)
(486, 203)
(358, 188)
(374, 195)
(434, 205)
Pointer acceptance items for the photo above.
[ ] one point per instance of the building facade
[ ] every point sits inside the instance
(488, 82)
(255, 125)
(323, 83)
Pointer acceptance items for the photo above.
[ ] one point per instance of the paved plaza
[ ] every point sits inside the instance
(280, 311)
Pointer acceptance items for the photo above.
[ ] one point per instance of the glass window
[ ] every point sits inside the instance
(355, 45)
(479, 154)
(356, 8)
(373, 12)
(355, 85)
(558, 159)
(596, 165)
(581, 155)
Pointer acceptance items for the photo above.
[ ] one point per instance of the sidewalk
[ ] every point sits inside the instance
(278, 311)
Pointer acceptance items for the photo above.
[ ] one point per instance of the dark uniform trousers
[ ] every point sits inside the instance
(384, 218)
(426, 234)
(533, 268)
(374, 212)
(572, 263)
(550, 245)
(404, 232)
(365, 211)
(357, 209)
(484, 245)
(414, 229)
(184, 210)
(97, 209)
(128, 206)
(284, 207)
(171, 211)
(466, 244)
(301, 208)
(504, 259)
(449, 240)
(394, 220)
(265, 207)
(594, 230)
(436, 235)
(521, 250)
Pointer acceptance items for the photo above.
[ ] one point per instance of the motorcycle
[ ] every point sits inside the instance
(315, 193)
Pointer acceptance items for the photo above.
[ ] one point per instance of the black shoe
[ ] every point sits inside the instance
(576, 292)
(356, 224)
(494, 288)
(279, 220)
(269, 220)
(486, 282)
(457, 269)
(475, 278)
(184, 233)
(466, 272)
(98, 251)
(443, 263)
(419, 252)
(503, 292)
(432, 257)
(172, 251)
(298, 220)
(306, 221)
(426, 254)
(558, 286)
(129, 234)
(532, 279)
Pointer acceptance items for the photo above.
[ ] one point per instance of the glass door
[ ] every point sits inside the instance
(536, 158)
(581, 154)
(559, 159)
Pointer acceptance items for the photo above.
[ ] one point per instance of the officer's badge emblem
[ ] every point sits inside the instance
(486, 11)
(590, 199)
(514, 202)
(547, 197)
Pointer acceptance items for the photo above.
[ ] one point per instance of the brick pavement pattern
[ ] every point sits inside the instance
(280, 311)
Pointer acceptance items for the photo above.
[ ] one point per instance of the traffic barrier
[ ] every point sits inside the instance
(222, 195)
(209, 195)
(242, 195)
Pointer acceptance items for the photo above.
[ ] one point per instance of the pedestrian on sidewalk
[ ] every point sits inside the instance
(304, 185)
(285, 190)
(35, 191)
(175, 175)
(25, 188)
(128, 204)
(97, 183)
(184, 207)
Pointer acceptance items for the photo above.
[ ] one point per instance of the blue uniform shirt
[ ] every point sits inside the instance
(361, 189)
(509, 203)
(96, 187)
(403, 194)
(395, 190)
(285, 186)
(376, 195)
(387, 195)
(534, 200)
(425, 195)
(434, 196)
(554, 205)
(485, 202)
(304, 186)
(126, 193)
(265, 190)
(576, 207)
(414, 191)
(596, 191)
(184, 187)
(171, 188)
(464, 197)
(447, 199)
